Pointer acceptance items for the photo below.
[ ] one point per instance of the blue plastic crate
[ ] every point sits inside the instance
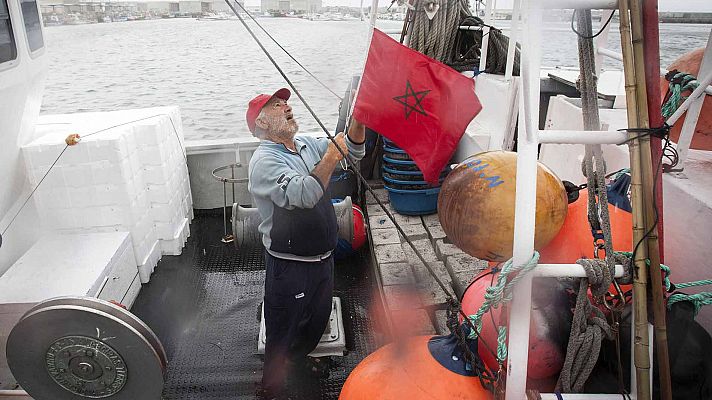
(414, 202)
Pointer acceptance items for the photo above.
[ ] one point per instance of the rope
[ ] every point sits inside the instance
(698, 300)
(588, 327)
(468, 45)
(436, 38)
(680, 82)
(499, 294)
(703, 282)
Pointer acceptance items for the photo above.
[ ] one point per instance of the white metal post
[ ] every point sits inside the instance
(601, 41)
(485, 35)
(693, 112)
(513, 38)
(525, 204)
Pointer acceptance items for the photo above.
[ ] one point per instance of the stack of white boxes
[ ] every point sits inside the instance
(131, 177)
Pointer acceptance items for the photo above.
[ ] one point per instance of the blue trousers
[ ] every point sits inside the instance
(297, 309)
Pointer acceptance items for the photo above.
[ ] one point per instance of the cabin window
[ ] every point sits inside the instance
(8, 51)
(33, 24)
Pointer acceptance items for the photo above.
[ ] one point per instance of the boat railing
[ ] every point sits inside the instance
(529, 139)
(693, 103)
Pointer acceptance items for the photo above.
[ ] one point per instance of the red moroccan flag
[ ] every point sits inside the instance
(420, 104)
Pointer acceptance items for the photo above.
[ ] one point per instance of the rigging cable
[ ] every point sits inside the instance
(360, 176)
(286, 52)
(581, 35)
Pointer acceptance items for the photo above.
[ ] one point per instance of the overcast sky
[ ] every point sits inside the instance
(664, 5)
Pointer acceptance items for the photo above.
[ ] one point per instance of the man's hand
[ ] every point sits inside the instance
(333, 152)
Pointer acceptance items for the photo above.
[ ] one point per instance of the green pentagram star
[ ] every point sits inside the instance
(417, 96)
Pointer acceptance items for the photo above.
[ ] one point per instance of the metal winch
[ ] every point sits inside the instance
(245, 221)
(83, 347)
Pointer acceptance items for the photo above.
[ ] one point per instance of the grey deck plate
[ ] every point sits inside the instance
(203, 306)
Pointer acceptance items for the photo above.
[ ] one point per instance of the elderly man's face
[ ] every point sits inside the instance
(278, 119)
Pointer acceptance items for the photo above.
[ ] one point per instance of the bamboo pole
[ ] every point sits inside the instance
(640, 278)
(647, 172)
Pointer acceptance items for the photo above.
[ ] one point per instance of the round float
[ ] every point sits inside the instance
(476, 205)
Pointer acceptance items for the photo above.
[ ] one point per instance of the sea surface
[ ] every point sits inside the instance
(211, 69)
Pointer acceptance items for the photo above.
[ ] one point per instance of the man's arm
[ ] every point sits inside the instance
(286, 187)
(326, 166)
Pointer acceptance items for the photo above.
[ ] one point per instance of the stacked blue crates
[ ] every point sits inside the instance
(408, 191)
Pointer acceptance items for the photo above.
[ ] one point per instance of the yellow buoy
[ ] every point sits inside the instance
(476, 205)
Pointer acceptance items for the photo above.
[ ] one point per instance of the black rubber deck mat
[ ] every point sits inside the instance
(204, 305)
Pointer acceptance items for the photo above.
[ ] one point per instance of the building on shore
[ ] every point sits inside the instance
(221, 6)
(286, 6)
(163, 7)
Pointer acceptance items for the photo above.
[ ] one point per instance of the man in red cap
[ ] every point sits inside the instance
(289, 180)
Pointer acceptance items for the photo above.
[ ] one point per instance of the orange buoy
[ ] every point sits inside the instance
(408, 370)
(575, 241)
(476, 205)
(702, 137)
(548, 332)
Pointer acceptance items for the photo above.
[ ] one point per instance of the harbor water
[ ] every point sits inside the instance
(211, 69)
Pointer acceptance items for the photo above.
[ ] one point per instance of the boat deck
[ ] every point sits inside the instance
(204, 305)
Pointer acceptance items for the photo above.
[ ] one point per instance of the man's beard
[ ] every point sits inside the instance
(283, 128)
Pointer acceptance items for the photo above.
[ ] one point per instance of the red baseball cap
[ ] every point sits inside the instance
(256, 104)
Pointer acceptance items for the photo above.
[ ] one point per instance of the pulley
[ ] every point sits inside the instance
(81, 347)
(245, 221)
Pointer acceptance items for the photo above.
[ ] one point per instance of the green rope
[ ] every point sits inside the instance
(498, 294)
(698, 300)
(695, 283)
(502, 344)
(679, 84)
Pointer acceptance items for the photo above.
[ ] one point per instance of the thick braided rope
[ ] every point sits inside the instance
(588, 327)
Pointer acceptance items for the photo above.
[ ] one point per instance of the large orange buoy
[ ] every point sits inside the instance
(476, 205)
(408, 370)
(575, 241)
(702, 138)
(548, 331)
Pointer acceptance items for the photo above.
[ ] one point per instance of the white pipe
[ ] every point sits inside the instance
(618, 56)
(513, 38)
(610, 53)
(585, 396)
(566, 271)
(470, 28)
(485, 36)
(704, 85)
(374, 13)
(601, 41)
(579, 4)
(582, 137)
(694, 107)
(14, 393)
(525, 205)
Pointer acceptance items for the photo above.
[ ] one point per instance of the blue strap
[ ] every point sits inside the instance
(559, 396)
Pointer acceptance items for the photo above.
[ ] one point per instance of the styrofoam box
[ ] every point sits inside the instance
(174, 247)
(127, 173)
(65, 265)
(166, 229)
(148, 264)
